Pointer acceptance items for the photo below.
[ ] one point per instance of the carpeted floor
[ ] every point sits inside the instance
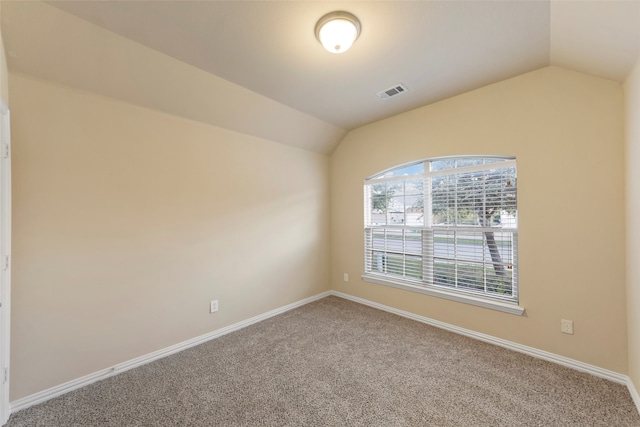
(337, 363)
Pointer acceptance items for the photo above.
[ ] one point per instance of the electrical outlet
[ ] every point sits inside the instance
(214, 306)
(346, 277)
(566, 326)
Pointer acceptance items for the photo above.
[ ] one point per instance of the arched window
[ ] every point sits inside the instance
(446, 227)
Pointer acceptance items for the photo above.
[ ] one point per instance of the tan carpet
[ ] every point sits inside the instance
(337, 363)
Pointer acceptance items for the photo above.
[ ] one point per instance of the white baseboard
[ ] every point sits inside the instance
(540, 354)
(61, 389)
(634, 393)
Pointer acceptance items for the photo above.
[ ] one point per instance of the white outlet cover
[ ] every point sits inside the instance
(566, 326)
(214, 306)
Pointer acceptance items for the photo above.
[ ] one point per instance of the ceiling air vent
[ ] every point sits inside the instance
(392, 91)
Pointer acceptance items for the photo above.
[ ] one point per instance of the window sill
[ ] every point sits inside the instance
(507, 307)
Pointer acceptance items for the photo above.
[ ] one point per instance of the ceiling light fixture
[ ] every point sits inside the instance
(337, 31)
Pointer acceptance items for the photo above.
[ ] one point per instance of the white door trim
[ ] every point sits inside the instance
(5, 259)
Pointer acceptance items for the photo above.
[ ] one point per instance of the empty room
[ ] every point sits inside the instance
(304, 213)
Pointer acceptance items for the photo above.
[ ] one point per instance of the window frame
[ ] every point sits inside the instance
(425, 284)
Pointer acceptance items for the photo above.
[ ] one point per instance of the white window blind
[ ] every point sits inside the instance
(448, 223)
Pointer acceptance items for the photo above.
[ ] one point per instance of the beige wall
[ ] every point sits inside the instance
(4, 77)
(632, 127)
(566, 130)
(87, 57)
(127, 222)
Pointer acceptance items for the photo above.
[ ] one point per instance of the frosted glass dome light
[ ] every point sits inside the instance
(337, 31)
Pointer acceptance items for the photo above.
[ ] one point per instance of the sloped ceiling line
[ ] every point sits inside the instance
(256, 67)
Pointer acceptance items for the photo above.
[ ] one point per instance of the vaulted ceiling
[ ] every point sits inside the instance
(249, 65)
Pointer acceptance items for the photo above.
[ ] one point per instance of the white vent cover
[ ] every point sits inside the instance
(392, 91)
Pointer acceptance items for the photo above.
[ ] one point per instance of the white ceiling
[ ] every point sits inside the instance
(437, 49)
